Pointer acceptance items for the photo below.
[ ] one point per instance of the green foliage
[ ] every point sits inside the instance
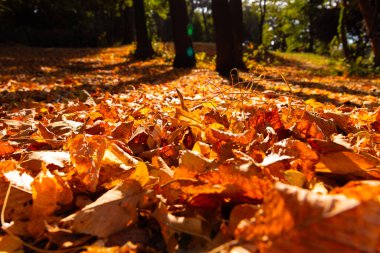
(158, 7)
(251, 21)
(164, 50)
(362, 66)
(254, 55)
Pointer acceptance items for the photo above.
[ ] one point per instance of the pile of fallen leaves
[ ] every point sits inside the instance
(189, 167)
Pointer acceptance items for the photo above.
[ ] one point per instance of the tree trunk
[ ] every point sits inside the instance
(184, 51)
(129, 26)
(342, 29)
(237, 31)
(227, 18)
(144, 48)
(370, 11)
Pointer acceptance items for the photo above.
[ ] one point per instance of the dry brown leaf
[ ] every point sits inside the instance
(347, 162)
(239, 213)
(229, 182)
(243, 138)
(36, 160)
(86, 153)
(309, 125)
(323, 146)
(171, 225)
(8, 165)
(123, 130)
(342, 121)
(188, 225)
(6, 148)
(19, 205)
(302, 157)
(64, 128)
(163, 171)
(20, 180)
(194, 162)
(49, 191)
(49, 137)
(291, 216)
(110, 213)
(121, 155)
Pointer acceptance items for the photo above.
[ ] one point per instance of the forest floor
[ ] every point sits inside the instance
(98, 149)
(24, 71)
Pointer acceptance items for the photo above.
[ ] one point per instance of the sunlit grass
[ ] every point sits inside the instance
(313, 61)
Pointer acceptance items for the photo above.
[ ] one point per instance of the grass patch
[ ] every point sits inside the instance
(314, 62)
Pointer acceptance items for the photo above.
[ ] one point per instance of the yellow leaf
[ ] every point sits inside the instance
(295, 177)
(141, 174)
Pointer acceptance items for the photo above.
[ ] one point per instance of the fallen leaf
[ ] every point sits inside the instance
(140, 174)
(19, 205)
(295, 178)
(291, 215)
(49, 191)
(346, 162)
(6, 148)
(110, 213)
(86, 154)
(193, 161)
(35, 160)
(19, 180)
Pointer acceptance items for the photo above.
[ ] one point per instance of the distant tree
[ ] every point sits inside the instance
(184, 51)
(263, 10)
(237, 32)
(144, 48)
(200, 16)
(157, 17)
(370, 10)
(342, 29)
(228, 25)
(251, 21)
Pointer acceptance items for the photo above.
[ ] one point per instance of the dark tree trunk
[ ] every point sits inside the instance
(144, 45)
(184, 51)
(129, 26)
(227, 18)
(342, 29)
(237, 31)
(370, 11)
(223, 36)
